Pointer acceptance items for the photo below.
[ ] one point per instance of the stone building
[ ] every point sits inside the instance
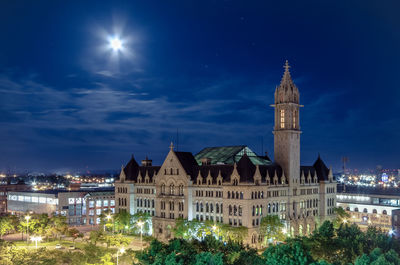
(232, 184)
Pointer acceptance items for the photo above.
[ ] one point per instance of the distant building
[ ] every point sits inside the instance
(369, 206)
(4, 189)
(79, 207)
(232, 185)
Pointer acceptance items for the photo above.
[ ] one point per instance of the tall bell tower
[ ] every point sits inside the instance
(287, 128)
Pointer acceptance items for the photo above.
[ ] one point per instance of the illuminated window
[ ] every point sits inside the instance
(294, 119)
(282, 118)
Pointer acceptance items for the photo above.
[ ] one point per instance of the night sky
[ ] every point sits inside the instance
(208, 68)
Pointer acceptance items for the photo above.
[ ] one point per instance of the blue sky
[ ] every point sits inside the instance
(208, 68)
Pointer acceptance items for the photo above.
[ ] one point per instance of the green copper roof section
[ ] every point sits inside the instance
(229, 155)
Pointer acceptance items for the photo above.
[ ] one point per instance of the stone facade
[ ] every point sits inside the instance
(239, 192)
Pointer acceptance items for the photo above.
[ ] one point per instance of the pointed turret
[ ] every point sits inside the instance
(287, 91)
(122, 175)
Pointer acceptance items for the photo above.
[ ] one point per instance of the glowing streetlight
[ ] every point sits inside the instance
(36, 239)
(122, 251)
(345, 221)
(140, 224)
(27, 217)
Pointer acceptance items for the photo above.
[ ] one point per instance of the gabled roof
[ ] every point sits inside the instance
(187, 161)
(229, 155)
(132, 169)
(322, 169)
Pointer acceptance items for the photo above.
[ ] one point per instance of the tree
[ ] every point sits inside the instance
(122, 221)
(116, 240)
(58, 226)
(96, 236)
(271, 228)
(207, 258)
(292, 253)
(74, 233)
(378, 257)
(341, 216)
(5, 226)
(145, 219)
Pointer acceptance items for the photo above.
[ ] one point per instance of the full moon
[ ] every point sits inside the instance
(116, 44)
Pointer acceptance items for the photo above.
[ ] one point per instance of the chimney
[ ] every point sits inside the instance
(147, 162)
(205, 161)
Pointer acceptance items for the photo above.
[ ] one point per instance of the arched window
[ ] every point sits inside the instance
(172, 189)
(237, 195)
(221, 208)
(254, 211)
(207, 209)
(211, 208)
(230, 210)
(217, 208)
(384, 212)
(365, 210)
(252, 195)
(163, 189)
(374, 211)
(201, 207)
(197, 206)
(229, 194)
(356, 209)
(181, 190)
(269, 208)
(234, 210)
(241, 195)
(282, 118)
(240, 210)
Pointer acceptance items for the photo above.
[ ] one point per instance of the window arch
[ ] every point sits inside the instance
(356, 209)
(365, 210)
(384, 212)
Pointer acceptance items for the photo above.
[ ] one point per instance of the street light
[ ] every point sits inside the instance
(122, 250)
(345, 221)
(140, 224)
(36, 239)
(27, 227)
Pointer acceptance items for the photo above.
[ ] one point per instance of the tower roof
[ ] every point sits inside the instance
(287, 90)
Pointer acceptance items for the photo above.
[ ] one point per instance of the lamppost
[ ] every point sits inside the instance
(108, 217)
(36, 239)
(140, 224)
(27, 227)
(122, 250)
